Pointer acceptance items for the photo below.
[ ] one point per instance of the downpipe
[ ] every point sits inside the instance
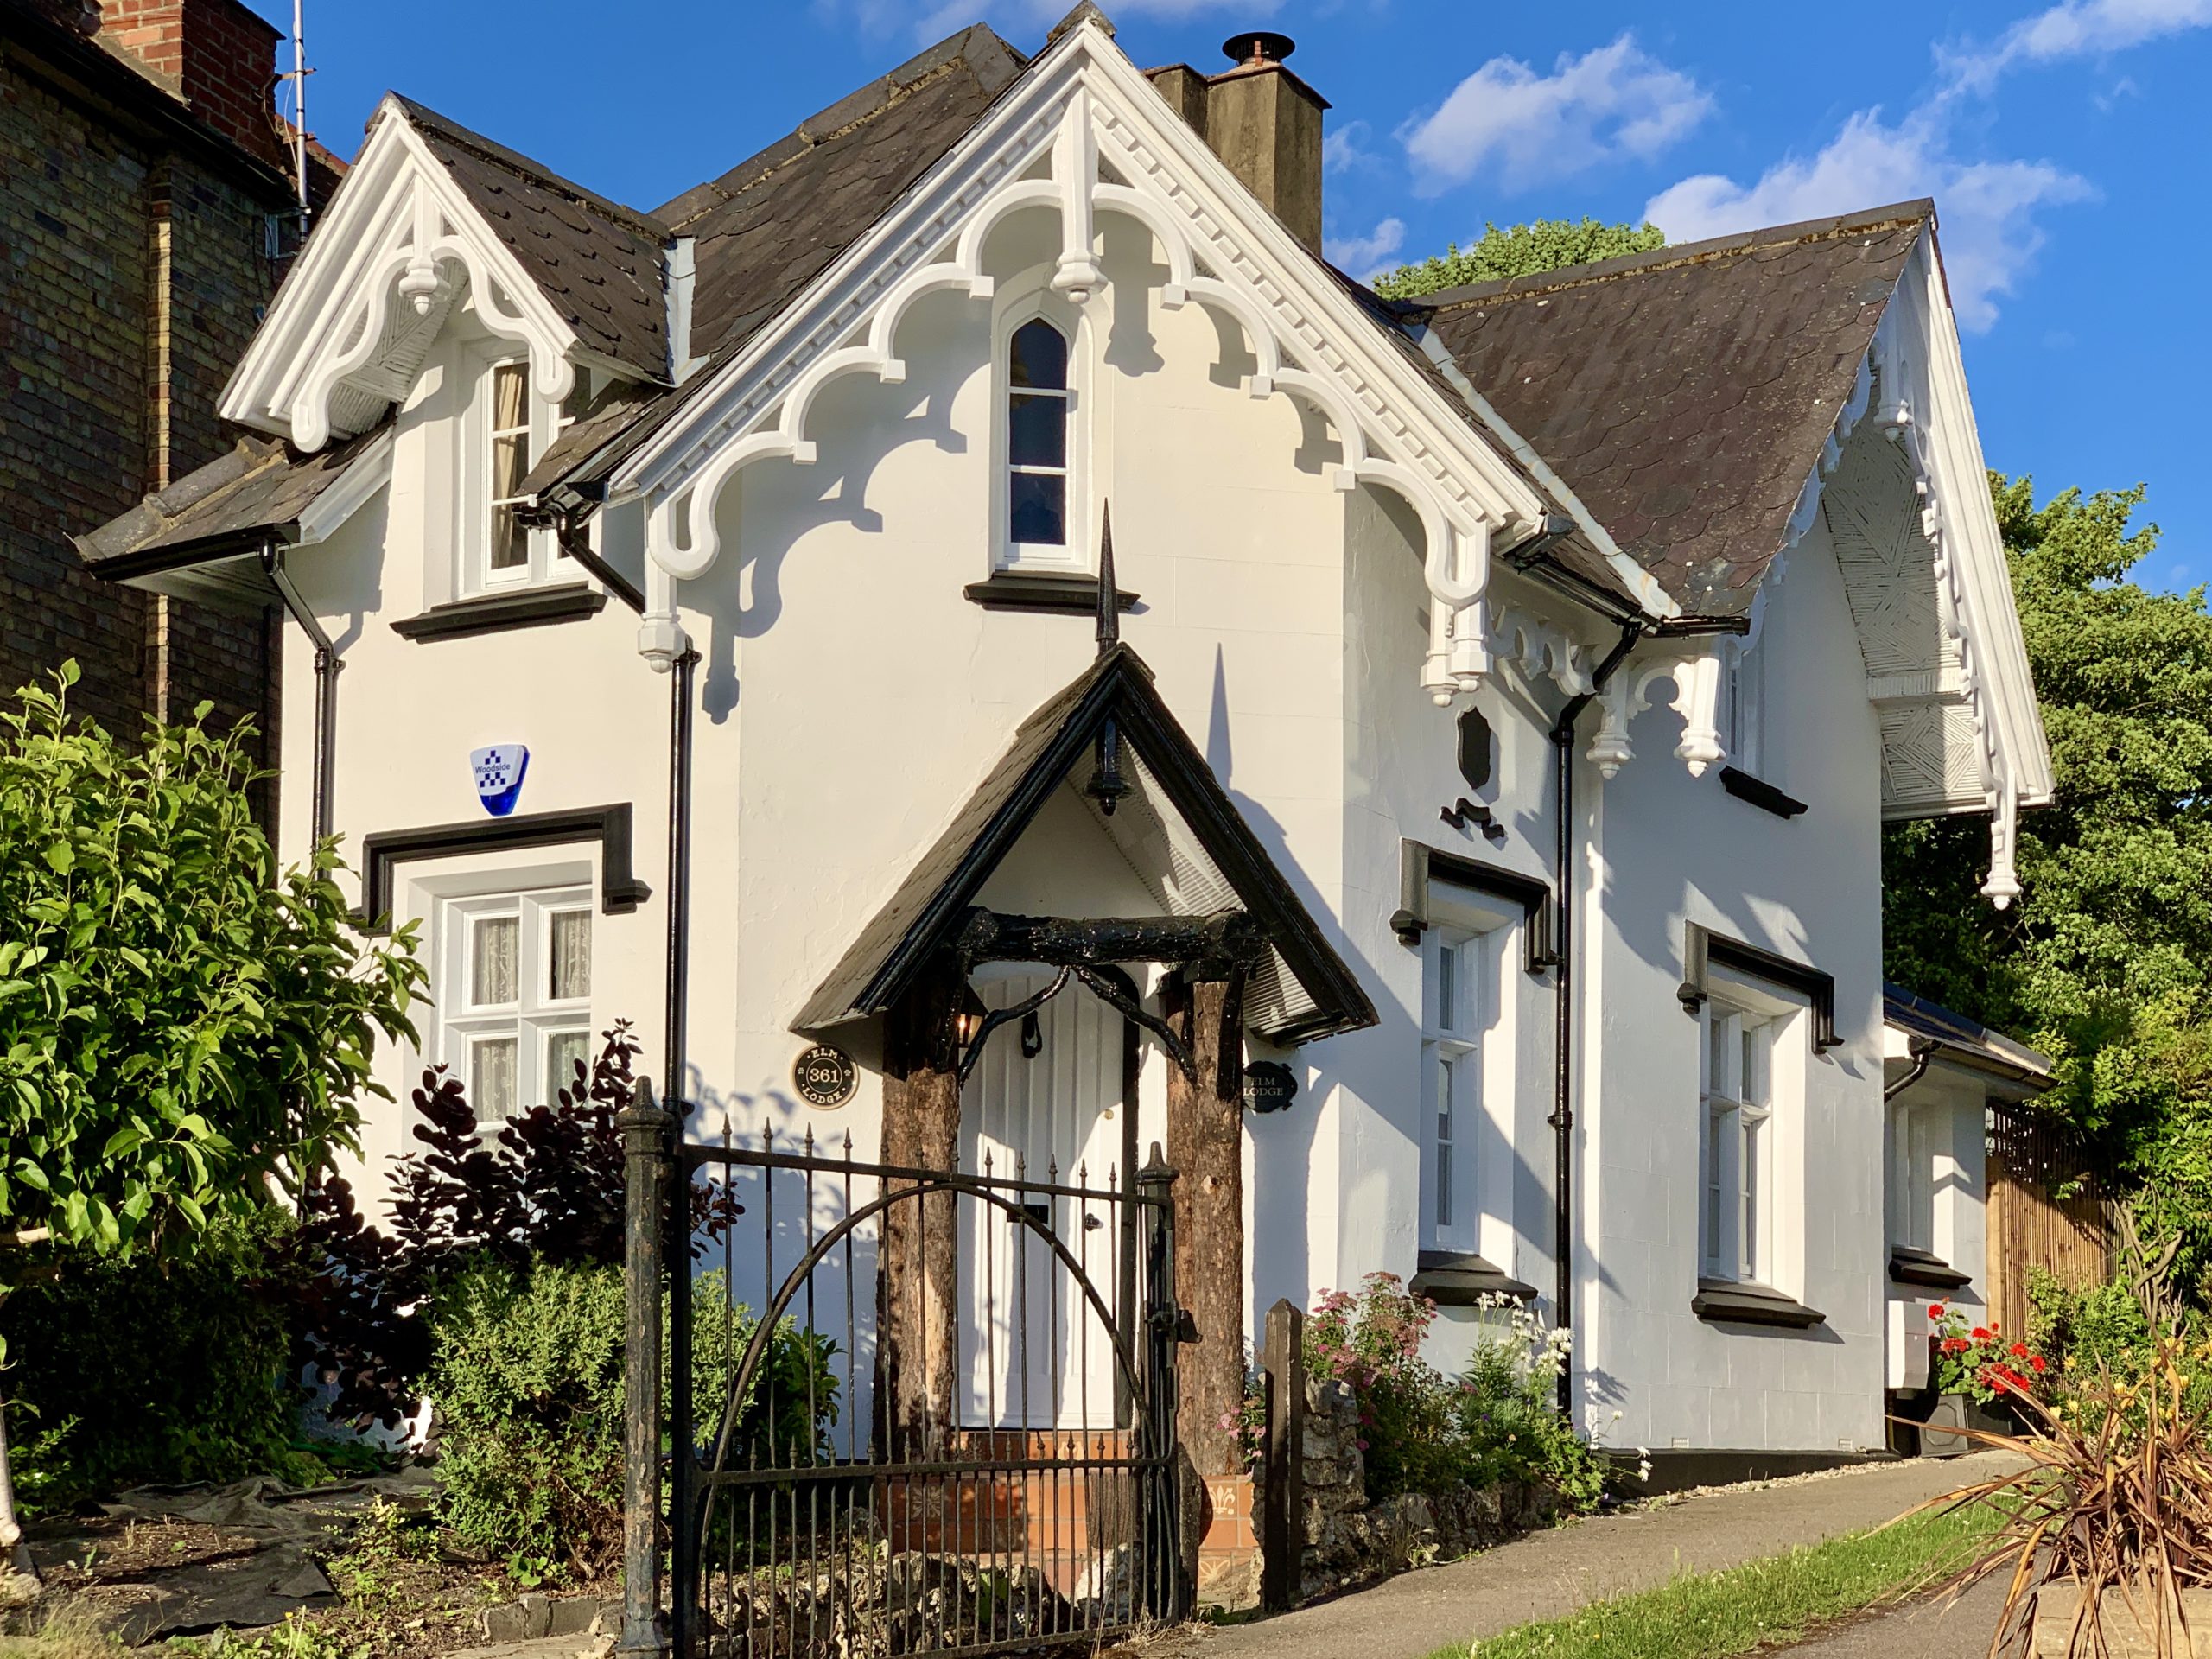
(1562, 1117)
(326, 687)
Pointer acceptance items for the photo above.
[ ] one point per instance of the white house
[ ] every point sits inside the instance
(1530, 669)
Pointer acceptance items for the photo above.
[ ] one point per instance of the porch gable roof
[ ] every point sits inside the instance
(1305, 989)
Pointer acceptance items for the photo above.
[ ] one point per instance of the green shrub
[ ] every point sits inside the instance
(1508, 1424)
(526, 1377)
(136, 1371)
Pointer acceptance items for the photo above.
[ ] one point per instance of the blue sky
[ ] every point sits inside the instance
(2067, 146)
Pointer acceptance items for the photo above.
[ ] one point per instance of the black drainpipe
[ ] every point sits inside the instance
(325, 686)
(680, 676)
(1562, 1117)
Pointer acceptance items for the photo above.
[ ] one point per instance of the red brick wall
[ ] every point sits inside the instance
(219, 55)
(84, 369)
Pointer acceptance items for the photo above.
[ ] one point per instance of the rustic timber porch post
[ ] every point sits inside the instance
(916, 1285)
(1205, 1146)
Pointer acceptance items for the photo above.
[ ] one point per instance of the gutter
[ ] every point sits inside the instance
(682, 673)
(567, 524)
(327, 665)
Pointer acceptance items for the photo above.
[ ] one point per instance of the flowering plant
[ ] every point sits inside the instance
(1976, 1360)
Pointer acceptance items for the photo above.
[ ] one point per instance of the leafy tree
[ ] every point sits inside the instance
(2106, 963)
(181, 1028)
(1520, 251)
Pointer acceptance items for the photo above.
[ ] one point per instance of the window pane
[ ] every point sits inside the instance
(510, 542)
(565, 1051)
(1751, 1240)
(1447, 988)
(509, 392)
(492, 943)
(569, 944)
(1040, 356)
(1039, 513)
(491, 1078)
(1444, 1184)
(1716, 1053)
(1716, 1125)
(1036, 429)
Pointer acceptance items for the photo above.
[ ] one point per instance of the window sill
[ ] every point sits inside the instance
(533, 608)
(1911, 1267)
(1039, 590)
(1760, 793)
(1457, 1279)
(1729, 1301)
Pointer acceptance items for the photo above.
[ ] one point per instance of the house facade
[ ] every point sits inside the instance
(978, 535)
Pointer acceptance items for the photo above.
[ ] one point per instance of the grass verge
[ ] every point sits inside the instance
(1763, 1603)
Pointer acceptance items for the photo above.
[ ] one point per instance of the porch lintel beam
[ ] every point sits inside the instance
(1215, 943)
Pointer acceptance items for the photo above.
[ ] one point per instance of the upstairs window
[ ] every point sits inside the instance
(1741, 707)
(513, 429)
(1037, 440)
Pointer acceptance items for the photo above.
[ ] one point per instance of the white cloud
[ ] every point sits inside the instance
(1363, 256)
(1612, 102)
(1346, 147)
(1990, 235)
(2075, 28)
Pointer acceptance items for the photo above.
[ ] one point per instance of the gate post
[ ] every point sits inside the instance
(1170, 1579)
(1282, 1515)
(645, 1146)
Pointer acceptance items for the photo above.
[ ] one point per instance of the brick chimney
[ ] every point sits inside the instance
(216, 56)
(1263, 121)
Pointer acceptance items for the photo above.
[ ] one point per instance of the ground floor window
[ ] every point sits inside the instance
(1454, 1005)
(1736, 1212)
(514, 991)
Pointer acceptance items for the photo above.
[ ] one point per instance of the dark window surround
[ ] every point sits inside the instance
(1419, 864)
(1726, 1302)
(1703, 948)
(1461, 1279)
(1043, 590)
(534, 608)
(619, 891)
(1760, 793)
(1911, 1267)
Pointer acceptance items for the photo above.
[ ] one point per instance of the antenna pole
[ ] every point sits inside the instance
(299, 79)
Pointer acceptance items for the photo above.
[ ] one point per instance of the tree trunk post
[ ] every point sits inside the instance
(1282, 1515)
(646, 1140)
(921, 1130)
(1205, 1144)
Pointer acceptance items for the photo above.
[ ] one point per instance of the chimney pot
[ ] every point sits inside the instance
(1254, 48)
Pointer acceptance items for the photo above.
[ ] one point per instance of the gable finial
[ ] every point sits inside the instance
(1109, 597)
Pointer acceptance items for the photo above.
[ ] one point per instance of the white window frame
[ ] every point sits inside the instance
(1737, 1041)
(533, 1018)
(1024, 302)
(544, 420)
(1743, 706)
(1922, 1160)
(1455, 968)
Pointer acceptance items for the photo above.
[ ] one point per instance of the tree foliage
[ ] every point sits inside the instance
(2106, 963)
(1520, 251)
(178, 1023)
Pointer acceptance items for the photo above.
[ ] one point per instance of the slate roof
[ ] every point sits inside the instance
(262, 485)
(598, 261)
(1962, 1038)
(933, 899)
(1683, 395)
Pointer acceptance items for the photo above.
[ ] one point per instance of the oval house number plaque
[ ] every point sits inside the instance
(824, 1075)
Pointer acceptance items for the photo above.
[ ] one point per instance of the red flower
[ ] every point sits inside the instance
(1955, 1344)
(2036, 1360)
(2019, 1351)
(1935, 1310)
(1981, 1333)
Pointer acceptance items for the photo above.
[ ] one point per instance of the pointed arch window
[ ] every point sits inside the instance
(1037, 425)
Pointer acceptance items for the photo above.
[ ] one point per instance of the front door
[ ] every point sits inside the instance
(1044, 1105)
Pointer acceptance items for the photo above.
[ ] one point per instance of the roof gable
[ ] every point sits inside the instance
(1684, 396)
(1203, 854)
(404, 242)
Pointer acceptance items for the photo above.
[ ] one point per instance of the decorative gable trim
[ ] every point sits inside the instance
(1083, 131)
(399, 247)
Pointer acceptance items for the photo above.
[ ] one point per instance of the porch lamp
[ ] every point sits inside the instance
(969, 1019)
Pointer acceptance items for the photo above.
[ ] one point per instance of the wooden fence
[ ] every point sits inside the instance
(2029, 1161)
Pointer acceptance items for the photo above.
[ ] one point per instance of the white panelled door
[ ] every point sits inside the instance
(1034, 1352)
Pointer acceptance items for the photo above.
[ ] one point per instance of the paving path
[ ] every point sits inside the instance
(1935, 1629)
(1552, 1573)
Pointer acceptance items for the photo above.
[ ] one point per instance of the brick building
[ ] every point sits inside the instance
(147, 212)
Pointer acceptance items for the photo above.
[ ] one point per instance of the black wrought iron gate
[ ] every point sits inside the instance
(865, 1461)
